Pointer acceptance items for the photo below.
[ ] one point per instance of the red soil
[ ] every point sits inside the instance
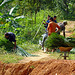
(51, 67)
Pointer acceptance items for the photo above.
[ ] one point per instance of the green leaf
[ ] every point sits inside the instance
(3, 2)
(1, 14)
(13, 10)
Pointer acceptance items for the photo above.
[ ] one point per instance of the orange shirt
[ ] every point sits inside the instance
(52, 27)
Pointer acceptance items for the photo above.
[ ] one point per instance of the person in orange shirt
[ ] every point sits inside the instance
(52, 28)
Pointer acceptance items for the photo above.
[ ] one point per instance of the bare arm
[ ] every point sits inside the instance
(15, 45)
(58, 28)
(45, 22)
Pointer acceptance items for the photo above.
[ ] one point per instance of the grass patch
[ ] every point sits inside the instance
(10, 58)
(55, 55)
(30, 48)
(72, 56)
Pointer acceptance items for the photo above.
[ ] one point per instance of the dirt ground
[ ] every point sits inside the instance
(40, 56)
(69, 27)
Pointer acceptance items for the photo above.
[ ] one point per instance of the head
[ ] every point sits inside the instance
(65, 23)
(48, 17)
(54, 17)
(51, 19)
(6, 35)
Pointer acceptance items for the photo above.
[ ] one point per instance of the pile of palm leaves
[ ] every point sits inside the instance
(8, 46)
(55, 40)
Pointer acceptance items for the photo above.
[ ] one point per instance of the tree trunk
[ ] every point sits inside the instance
(35, 17)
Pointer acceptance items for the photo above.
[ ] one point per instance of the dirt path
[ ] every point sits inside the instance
(69, 27)
(44, 56)
(40, 56)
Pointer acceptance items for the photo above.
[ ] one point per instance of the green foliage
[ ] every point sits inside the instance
(10, 58)
(70, 41)
(55, 40)
(6, 44)
(25, 29)
(66, 8)
(30, 47)
(3, 2)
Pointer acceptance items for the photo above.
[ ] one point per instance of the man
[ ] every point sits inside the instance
(44, 38)
(52, 28)
(46, 34)
(11, 37)
(62, 26)
(46, 22)
(54, 18)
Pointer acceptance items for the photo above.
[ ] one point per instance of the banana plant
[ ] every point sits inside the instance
(8, 21)
(3, 2)
(10, 18)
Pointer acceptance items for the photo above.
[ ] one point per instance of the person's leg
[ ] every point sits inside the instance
(44, 38)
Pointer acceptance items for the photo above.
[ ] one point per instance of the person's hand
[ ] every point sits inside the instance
(56, 31)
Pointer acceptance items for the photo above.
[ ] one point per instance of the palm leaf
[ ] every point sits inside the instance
(19, 17)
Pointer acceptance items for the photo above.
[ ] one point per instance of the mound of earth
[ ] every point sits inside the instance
(51, 67)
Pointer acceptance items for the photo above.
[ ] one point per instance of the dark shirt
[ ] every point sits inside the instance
(55, 21)
(11, 37)
(46, 24)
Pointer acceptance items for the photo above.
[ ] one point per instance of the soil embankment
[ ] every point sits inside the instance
(50, 67)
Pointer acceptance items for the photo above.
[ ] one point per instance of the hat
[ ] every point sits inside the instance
(65, 22)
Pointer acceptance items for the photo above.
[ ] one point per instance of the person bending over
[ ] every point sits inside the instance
(11, 37)
(62, 26)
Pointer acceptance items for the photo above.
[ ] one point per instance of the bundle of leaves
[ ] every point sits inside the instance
(6, 44)
(55, 40)
(70, 41)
